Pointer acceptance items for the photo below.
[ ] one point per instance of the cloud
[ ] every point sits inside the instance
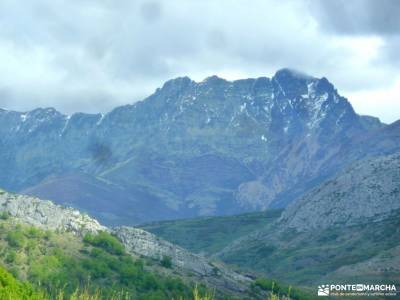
(92, 55)
(363, 18)
(359, 17)
(378, 101)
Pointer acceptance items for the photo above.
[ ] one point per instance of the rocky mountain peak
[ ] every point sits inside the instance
(214, 80)
(261, 83)
(291, 74)
(175, 86)
(245, 124)
(324, 86)
(289, 83)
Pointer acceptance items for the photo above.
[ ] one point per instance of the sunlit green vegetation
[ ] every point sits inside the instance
(57, 262)
(46, 265)
(10, 288)
(279, 291)
(13, 289)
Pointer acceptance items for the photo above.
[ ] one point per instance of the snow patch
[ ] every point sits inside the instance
(316, 112)
(99, 121)
(24, 117)
(280, 88)
(65, 125)
(310, 88)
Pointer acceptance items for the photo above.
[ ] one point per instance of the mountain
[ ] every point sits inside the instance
(69, 229)
(367, 192)
(214, 147)
(345, 230)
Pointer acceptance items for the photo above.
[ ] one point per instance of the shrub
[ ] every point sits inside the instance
(277, 290)
(34, 232)
(266, 284)
(10, 288)
(11, 257)
(166, 262)
(4, 215)
(105, 241)
(16, 239)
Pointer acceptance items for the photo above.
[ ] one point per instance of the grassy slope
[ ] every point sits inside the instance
(13, 289)
(98, 267)
(317, 257)
(209, 235)
(49, 264)
(337, 254)
(56, 261)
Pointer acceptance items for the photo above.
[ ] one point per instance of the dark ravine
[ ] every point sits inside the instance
(214, 147)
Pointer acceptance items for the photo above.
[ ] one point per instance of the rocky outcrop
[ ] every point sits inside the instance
(47, 215)
(140, 242)
(147, 244)
(367, 191)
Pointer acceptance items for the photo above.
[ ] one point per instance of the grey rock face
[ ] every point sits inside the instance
(140, 242)
(253, 194)
(147, 244)
(367, 191)
(47, 215)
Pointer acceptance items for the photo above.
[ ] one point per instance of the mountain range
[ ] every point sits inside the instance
(214, 147)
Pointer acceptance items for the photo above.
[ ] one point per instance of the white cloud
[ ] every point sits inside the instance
(384, 103)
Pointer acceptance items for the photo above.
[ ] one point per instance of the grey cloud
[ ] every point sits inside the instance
(363, 18)
(151, 11)
(359, 16)
(391, 51)
(90, 55)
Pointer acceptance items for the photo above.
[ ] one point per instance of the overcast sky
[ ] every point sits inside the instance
(93, 55)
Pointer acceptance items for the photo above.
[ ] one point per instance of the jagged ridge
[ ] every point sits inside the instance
(192, 148)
